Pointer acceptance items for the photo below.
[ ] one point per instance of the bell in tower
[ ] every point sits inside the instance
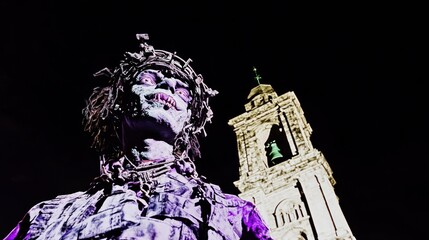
(273, 153)
(276, 146)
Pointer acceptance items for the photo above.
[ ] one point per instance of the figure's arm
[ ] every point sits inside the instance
(13, 234)
(254, 227)
(20, 230)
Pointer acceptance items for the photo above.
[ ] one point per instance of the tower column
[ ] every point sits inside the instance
(318, 206)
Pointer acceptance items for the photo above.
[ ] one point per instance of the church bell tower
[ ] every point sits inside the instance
(289, 180)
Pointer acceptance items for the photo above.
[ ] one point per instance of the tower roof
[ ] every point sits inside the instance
(260, 89)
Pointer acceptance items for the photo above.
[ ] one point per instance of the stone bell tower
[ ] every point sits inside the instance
(288, 179)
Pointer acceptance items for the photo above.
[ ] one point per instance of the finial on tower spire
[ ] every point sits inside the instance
(257, 77)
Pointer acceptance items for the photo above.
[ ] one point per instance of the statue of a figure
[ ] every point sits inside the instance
(144, 123)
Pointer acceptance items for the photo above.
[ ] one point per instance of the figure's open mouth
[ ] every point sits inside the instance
(136, 129)
(165, 99)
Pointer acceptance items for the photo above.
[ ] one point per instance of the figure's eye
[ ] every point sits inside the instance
(147, 79)
(184, 94)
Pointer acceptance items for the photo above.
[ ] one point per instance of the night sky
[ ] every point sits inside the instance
(356, 68)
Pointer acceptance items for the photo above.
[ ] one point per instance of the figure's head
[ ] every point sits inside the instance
(153, 93)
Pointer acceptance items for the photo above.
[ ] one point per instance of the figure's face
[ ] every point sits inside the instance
(162, 98)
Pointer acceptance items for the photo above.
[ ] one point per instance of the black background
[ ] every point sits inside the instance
(356, 68)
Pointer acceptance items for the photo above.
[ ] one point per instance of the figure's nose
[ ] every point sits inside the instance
(168, 84)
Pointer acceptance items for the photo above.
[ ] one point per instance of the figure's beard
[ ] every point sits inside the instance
(136, 129)
(166, 118)
(153, 121)
(173, 116)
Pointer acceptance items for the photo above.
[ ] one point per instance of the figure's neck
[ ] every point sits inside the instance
(150, 151)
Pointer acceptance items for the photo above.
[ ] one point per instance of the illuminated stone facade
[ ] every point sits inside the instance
(288, 179)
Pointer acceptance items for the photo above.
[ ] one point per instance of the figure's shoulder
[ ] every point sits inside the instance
(228, 199)
(62, 197)
(69, 196)
(214, 192)
(51, 203)
(242, 214)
